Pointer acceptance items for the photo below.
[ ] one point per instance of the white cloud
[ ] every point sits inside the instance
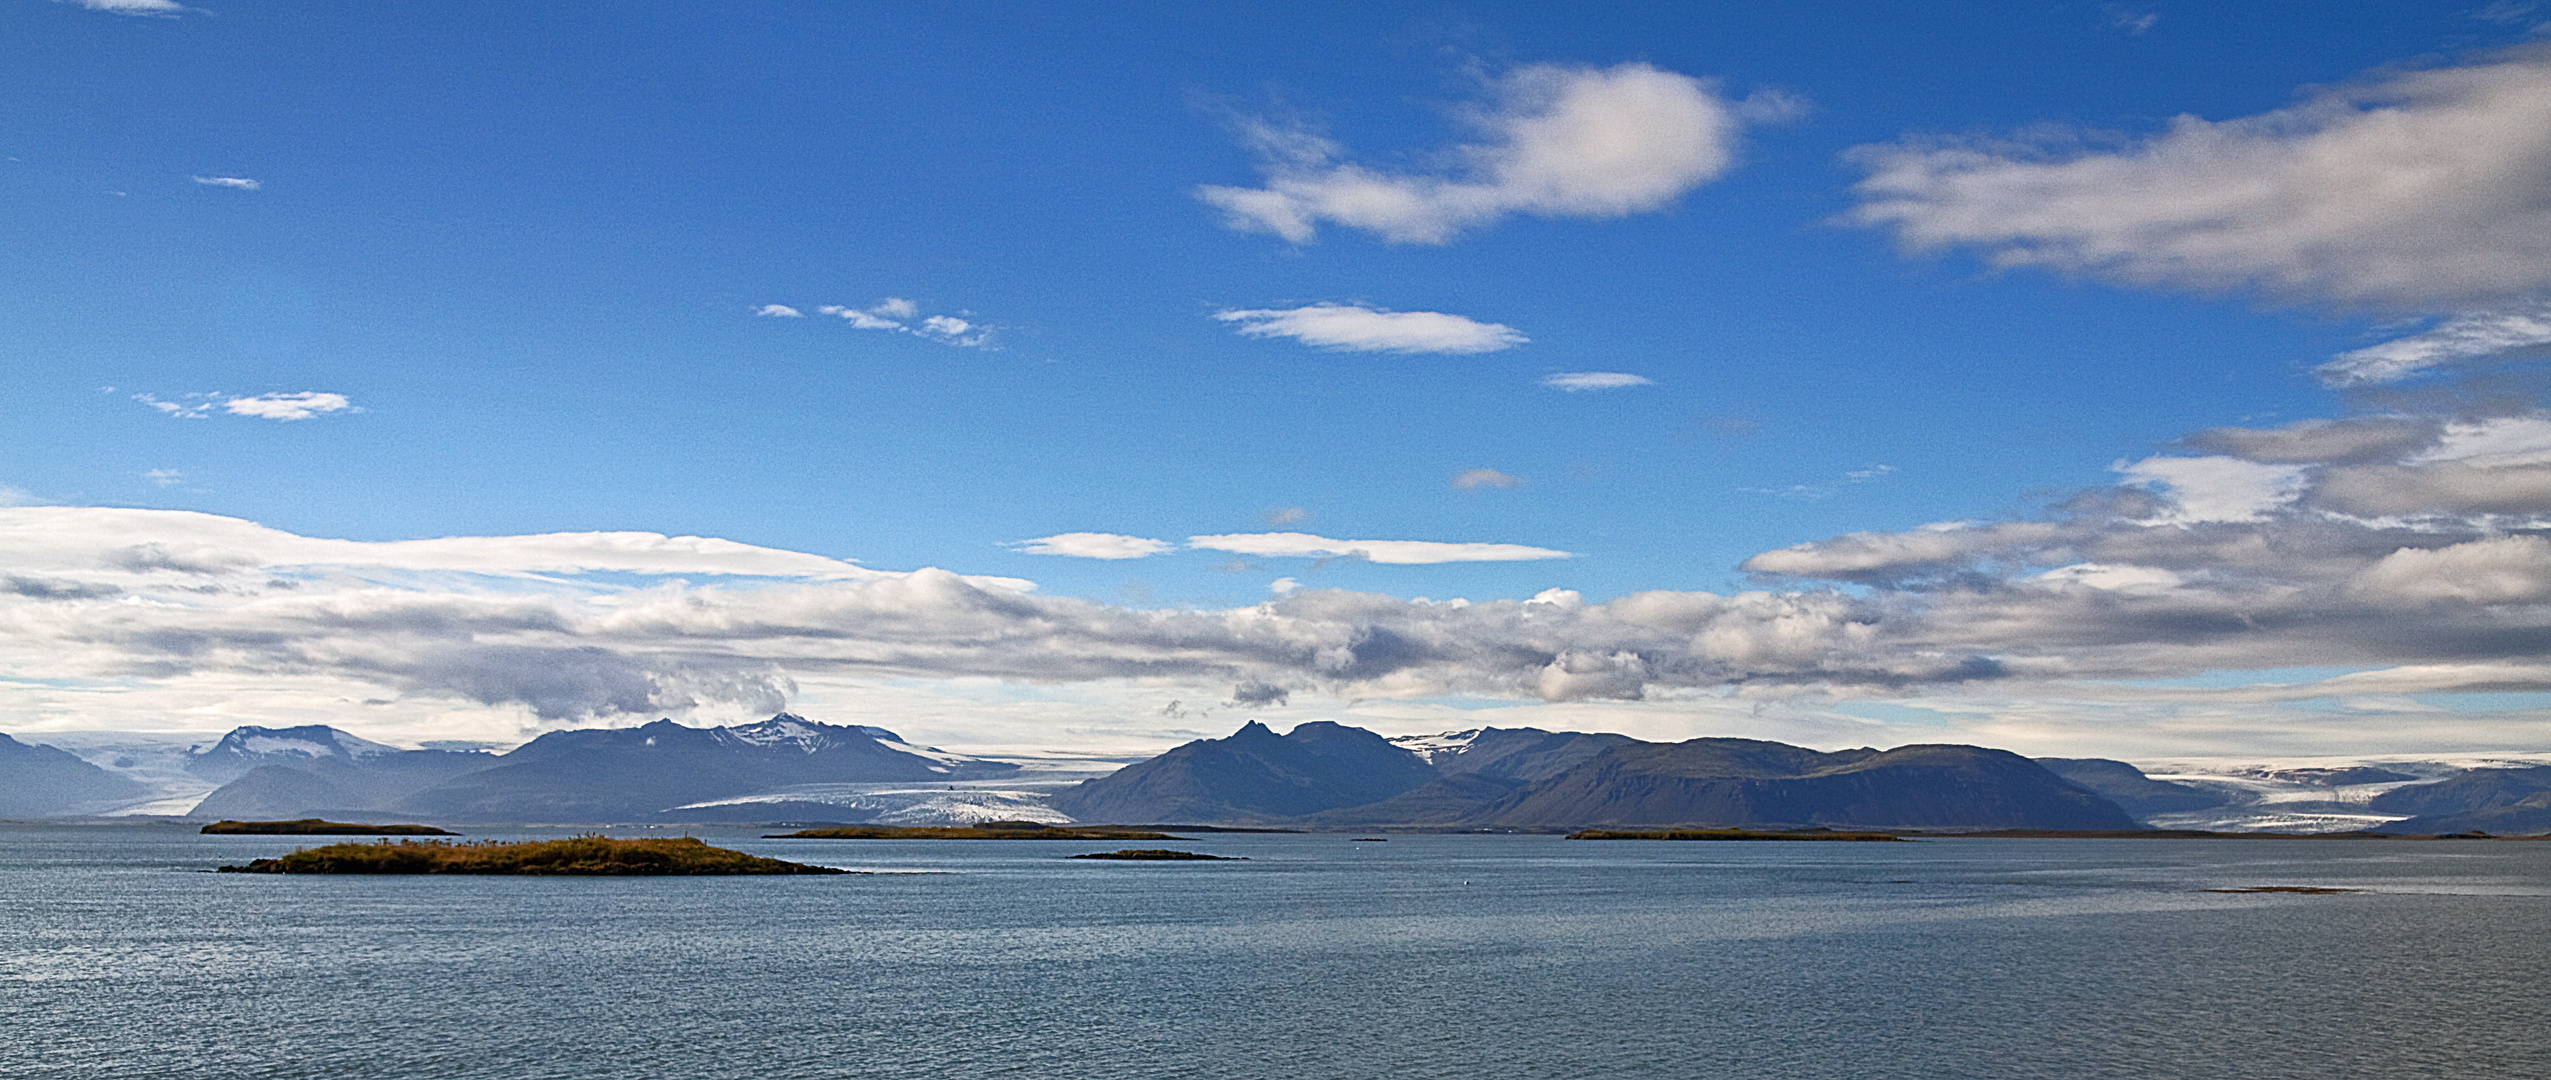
(1574, 381)
(2463, 338)
(1559, 142)
(300, 405)
(162, 8)
(2426, 189)
(2129, 19)
(240, 182)
(164, 477)
(1356, 328)
(2216, 488)
(1398, 552)
(779, 311)
(1475, 479)
(898, 314)
(1287, 515)
(1093, 545)
(868, 319)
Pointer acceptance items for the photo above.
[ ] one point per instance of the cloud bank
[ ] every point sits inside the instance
(1356, 328)
(1555, 142)
(2425, 189)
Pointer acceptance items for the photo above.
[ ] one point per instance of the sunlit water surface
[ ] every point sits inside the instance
(1424, 956)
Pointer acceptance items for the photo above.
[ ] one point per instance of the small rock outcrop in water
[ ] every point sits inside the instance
(582, 855)
(316, 827)
(1159, 855)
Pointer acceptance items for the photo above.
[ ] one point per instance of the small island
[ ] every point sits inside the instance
(1160, 855)
(985, 830)
(1731, 834)
(316, 827)
(581, 855)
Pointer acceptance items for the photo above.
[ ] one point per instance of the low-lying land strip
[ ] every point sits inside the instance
(582, 855)
(1727, 834)
(989, 830)
(1159, 855)
(317, 827)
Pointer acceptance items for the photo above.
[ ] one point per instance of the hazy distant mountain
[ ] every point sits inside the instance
(40, 781)
(352, 784)
(246, 748)
(2458, 802)
(1324, 774)
(1255, 775)
(636, 774)
(2132, 791)
(2528, 816)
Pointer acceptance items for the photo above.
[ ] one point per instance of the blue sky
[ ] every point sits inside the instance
(404, 272)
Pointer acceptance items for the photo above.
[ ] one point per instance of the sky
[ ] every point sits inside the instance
(2159, 381)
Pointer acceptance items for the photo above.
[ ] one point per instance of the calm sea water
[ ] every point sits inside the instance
(1426, 956)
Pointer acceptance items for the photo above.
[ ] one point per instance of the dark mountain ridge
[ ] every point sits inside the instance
(1530, 779)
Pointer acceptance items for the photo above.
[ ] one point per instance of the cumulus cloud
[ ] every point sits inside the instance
(299, 405)
(1575, 381)
(2424, 189)
(1556, 142)
(1357, 328)
(1475, 479)
(1093, 545)
(778, 311)
(901, 316)
(240, 182)
(1400, 552)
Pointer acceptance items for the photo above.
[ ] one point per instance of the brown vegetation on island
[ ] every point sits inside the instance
(581, 855)
(316, 827)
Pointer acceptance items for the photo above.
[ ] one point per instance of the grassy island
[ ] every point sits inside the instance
(1726, 834)
(1159, 855)
(988, 830)
(583, 855)
(311, 826)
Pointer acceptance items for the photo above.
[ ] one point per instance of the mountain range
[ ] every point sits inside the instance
(1498, 778)
(587, 775)
(1319, 775)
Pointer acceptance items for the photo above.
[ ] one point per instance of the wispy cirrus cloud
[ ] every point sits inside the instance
(299, 405)
(241, 183)
(1395, 552)
(2472, 337)
(2425, 189)
(1579, 381)
(167, 9)
(1557, 141)
(1359, 328)
(1093, 545)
